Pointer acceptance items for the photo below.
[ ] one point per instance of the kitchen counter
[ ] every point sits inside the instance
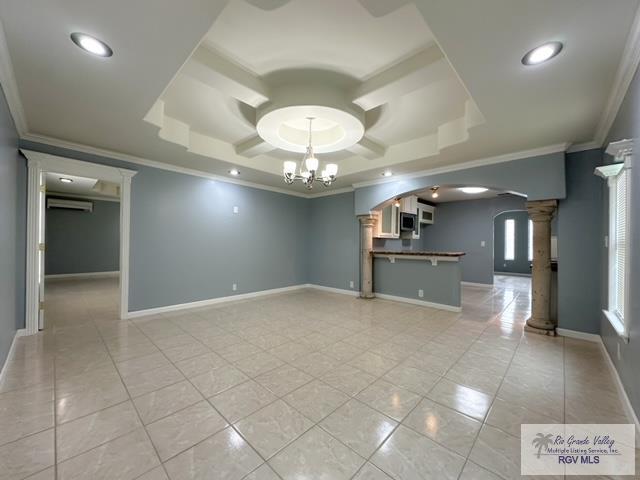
(421, 277)
(418, 253)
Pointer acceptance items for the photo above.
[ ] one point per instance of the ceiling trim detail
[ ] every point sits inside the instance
(53, 193)
(197, 173)
(508, 157)
(10, 86)
(581, 147)
(54, 142)
(624, 75)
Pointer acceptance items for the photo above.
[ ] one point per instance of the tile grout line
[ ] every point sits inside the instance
(130, 399)
(486, 416)
(313, 377)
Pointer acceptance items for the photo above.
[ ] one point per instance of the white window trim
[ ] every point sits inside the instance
(506, 240)
(622, 152)
(530, 240)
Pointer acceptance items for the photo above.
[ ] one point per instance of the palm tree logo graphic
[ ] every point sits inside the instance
(542, 441)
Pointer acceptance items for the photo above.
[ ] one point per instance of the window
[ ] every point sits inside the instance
(530, 242)
(619, 182)
(618, 244)
(509, 239)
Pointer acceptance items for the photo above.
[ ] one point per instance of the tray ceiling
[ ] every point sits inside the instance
(433, 82)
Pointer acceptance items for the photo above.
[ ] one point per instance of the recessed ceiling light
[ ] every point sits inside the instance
(65, 180)
(542, 53)
(91, 44)
(235, 172)
(387, 173)
(473, 190)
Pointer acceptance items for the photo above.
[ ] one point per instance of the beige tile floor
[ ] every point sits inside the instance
(296, 386)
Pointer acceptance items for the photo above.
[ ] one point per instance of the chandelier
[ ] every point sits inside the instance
(310, 165)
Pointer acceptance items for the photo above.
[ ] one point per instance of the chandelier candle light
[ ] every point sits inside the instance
(309, 167)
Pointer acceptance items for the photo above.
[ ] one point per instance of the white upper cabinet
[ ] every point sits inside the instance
(388, 225)
(409, 204)
(426, 213)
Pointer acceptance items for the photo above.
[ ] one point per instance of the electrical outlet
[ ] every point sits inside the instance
(351, 284)
(618, 352)
(234, 287)
(421, 293)
(236, 209)
(483, 243)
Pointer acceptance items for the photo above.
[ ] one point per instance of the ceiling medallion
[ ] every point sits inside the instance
(309, 167)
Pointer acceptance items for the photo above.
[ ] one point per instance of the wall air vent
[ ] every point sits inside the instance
(70, 204)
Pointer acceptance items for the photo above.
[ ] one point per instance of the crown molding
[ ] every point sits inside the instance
(328, 193)
(80, 196)
(78, 147)
(560, 147)
(581, 147)
(624, 75)
(10, 86)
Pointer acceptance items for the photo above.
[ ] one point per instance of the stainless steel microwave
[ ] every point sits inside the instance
(408, 222)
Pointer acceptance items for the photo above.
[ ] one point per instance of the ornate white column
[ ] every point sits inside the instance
(367, 223)
(541, 212)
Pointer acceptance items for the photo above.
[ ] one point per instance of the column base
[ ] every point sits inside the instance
(546, 330)
(367, 296)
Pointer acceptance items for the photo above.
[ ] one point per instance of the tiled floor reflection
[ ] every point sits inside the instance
(300, 385)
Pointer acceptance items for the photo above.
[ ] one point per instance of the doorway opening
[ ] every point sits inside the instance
(64, 244)
(82, 250)
(512, 250)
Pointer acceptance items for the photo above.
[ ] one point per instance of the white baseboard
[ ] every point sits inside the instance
(19, 333)
(79, 276)
(593, 337)
(353, 293)
(626, 403)
(415, 301)
(589, 337)
(212, 301)
(479, 285)
(512, 274)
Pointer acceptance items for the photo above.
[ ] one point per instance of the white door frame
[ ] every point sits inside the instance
(39, 163)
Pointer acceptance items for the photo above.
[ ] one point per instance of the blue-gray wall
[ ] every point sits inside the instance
(627, 126)
(520, 264)
(333, 242)
(83, 242)
(403, 278)
(580, 244)
(188, 245)
(462, 226)
(538, 178)
(12, 231)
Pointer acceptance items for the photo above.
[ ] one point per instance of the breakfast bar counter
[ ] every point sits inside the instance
(420, 277)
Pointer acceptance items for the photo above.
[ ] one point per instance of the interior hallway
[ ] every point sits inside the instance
(289, 385)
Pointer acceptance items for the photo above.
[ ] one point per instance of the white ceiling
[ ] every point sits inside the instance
(71, 96)
(450, 193)
(80, 186)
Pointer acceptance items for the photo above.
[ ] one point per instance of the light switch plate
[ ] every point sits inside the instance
(236, 209)
(234, 287)
(351, 284)
(483, 243)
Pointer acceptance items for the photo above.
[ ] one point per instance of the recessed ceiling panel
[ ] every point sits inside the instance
(337, 35)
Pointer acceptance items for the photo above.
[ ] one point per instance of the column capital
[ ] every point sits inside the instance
(542, 210)
(367, 220)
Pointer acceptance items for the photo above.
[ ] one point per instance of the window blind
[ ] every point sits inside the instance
(620, 246)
